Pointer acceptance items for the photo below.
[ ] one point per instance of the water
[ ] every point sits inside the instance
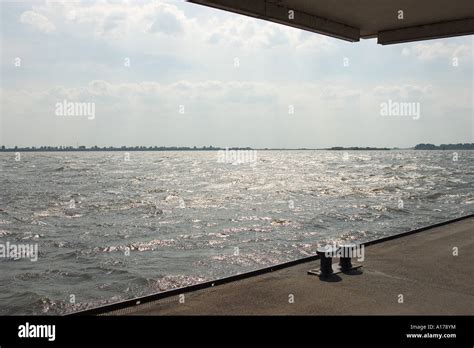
(109, 229)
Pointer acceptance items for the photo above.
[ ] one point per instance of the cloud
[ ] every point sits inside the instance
(233, 113)
(169, 21)
(198, 96)
(246, 32)
(116, 19)
(403, 91)
(438, 50)
(209, 98)
(37, 21)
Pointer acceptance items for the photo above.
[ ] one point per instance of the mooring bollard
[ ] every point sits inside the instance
(346, 252)
(325, 256)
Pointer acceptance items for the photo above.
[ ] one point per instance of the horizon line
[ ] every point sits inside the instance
(95, 148)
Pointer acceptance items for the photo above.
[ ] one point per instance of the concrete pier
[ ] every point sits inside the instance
(414, 274)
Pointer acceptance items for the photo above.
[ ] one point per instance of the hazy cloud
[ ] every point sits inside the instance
(437, 50)
(37, 21)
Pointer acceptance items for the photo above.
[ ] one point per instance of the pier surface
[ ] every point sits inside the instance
(414, 274)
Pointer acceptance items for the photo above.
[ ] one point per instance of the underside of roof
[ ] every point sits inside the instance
(390, 21)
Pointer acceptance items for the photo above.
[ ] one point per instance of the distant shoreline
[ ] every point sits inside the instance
(466, 146)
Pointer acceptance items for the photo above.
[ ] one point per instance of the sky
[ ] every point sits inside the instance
(172, 73)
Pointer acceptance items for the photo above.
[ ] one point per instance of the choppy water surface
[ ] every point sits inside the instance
(109, 229)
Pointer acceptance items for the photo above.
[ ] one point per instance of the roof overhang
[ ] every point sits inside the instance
(390, 21)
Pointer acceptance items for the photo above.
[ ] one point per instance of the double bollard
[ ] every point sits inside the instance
(345, 252)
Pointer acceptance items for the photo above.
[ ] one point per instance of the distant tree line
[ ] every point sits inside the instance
(122, 148)
(356, 148)
(465, 146)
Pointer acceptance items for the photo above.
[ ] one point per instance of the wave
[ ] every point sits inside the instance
(140, 246)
